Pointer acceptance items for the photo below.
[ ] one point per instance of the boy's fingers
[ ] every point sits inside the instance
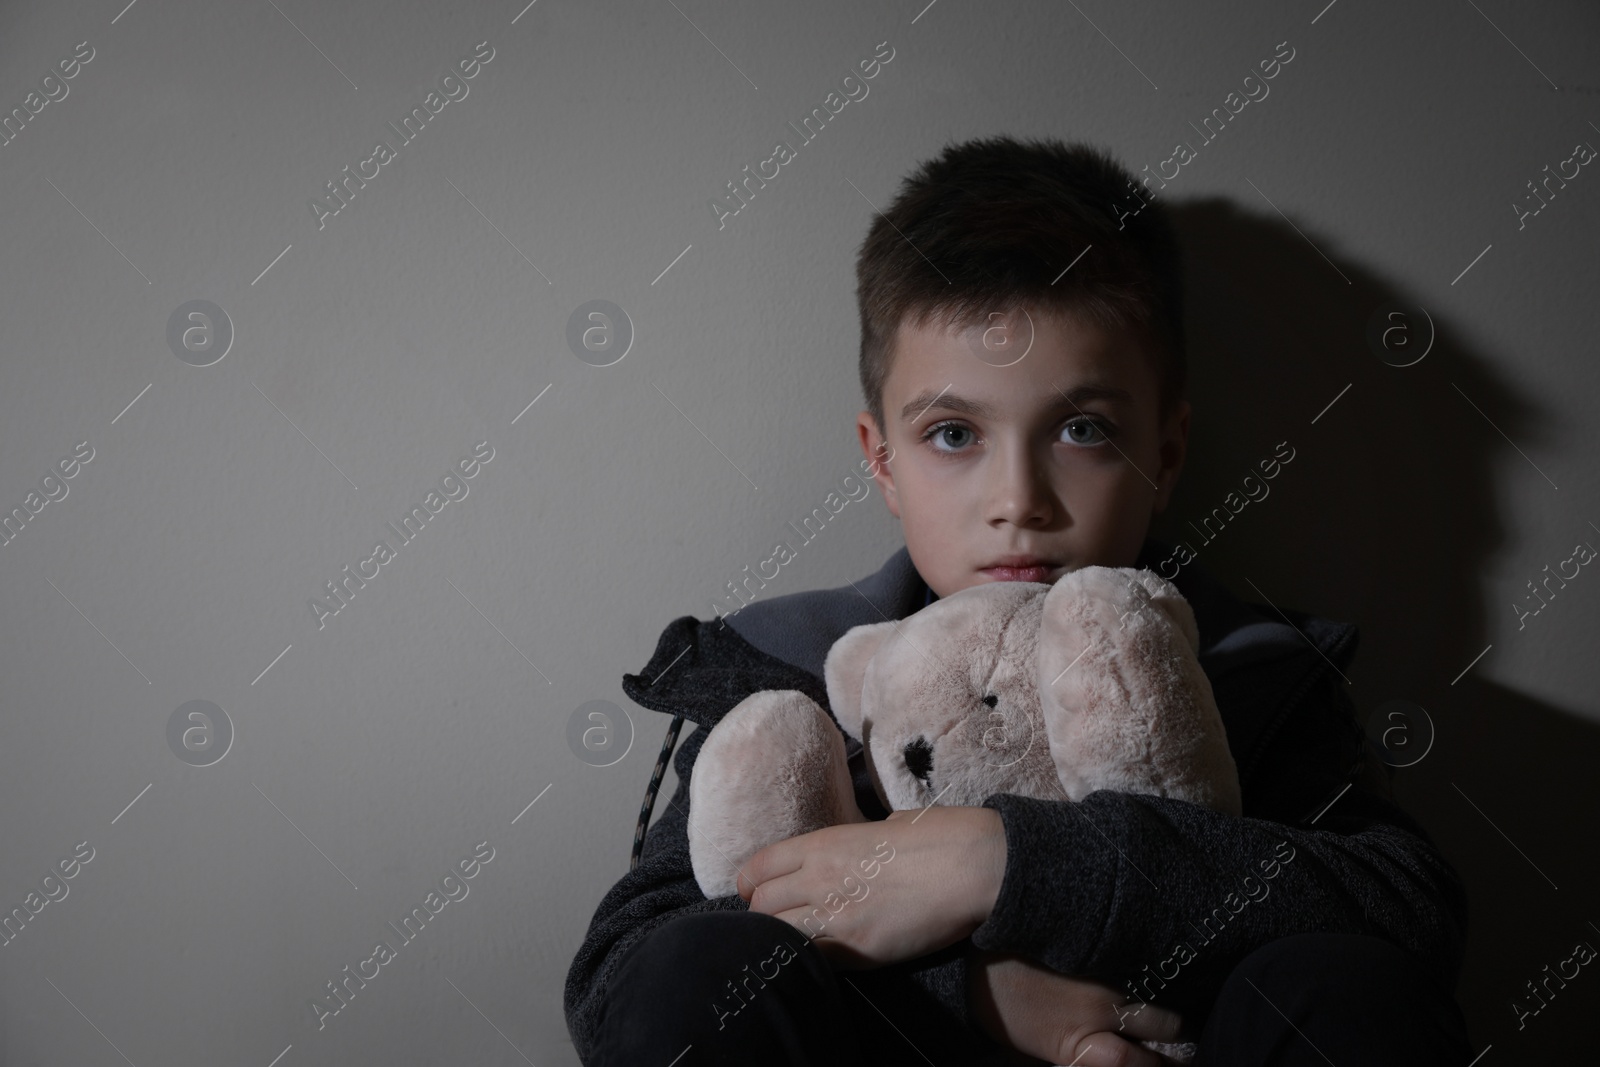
(785, 898)
(777, 859)
(1141, 1022)
(1106, 1049)
(752, 874)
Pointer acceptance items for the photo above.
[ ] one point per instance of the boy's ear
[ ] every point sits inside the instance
(1174, 447)
(845, 671)
(879, 455)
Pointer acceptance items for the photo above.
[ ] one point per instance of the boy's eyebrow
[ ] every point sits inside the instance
(1075, 397)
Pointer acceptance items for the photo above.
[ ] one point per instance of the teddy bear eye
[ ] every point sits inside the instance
(919, 758)
(991, 700)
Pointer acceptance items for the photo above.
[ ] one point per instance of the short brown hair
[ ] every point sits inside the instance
(992, 223)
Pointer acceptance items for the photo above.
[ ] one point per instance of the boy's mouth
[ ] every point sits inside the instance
(1020, 569)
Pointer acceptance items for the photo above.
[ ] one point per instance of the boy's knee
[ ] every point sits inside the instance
(716, 945)
(735, 985)
(1340, 992)
(710, 964)
(1354, 965)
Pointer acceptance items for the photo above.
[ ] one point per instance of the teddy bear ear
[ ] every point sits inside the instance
(845, 671)
(1165, 596)
(1126, 591)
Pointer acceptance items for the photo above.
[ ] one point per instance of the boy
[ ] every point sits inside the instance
(1022, 362)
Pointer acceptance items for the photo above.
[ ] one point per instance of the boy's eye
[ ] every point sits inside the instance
(939, 429)
(1085, 430)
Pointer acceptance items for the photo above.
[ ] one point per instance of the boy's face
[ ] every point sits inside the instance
(1023, 456)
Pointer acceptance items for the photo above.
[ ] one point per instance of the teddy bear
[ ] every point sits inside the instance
(1049, 691)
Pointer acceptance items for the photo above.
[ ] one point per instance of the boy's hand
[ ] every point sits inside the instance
(938, 883)
(1061, 1019)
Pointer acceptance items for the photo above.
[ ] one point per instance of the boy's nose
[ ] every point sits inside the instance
(1020, 489)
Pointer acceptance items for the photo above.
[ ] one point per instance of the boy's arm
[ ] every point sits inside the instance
(1121, 886)
(661, 887)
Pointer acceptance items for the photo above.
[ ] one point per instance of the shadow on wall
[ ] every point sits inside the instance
(1387, 518)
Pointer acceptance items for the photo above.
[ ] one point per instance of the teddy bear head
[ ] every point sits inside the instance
(951, 704)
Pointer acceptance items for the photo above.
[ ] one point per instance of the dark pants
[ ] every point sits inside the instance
(713, 988)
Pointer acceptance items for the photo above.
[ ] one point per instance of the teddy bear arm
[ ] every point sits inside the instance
(773, 767)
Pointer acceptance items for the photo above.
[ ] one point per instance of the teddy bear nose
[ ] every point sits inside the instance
(919, 758)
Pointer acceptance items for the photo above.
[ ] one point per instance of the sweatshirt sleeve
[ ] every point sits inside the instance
(661, 887)
(1163, 897)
